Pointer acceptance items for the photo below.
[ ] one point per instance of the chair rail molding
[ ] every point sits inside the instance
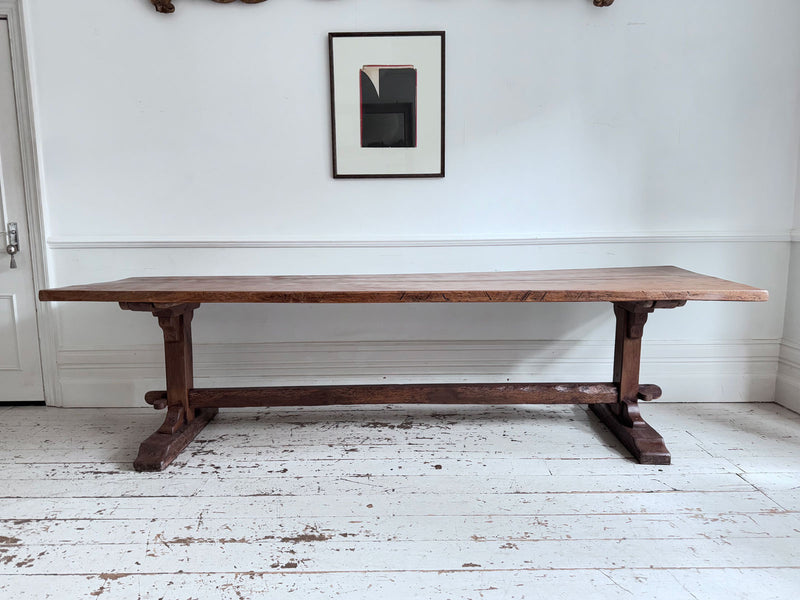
(544, 239)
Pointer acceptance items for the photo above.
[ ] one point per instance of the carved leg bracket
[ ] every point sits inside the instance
(623, 417)
(182, 422)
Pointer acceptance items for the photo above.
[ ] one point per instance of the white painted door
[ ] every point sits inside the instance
(20, 365)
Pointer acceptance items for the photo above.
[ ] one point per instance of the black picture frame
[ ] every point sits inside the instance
(387, 96)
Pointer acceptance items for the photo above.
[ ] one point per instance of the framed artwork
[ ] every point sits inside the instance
(387, 104)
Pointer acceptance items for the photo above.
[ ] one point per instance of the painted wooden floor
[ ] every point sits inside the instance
(402, 502)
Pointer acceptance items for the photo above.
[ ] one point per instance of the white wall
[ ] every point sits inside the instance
(660, 132)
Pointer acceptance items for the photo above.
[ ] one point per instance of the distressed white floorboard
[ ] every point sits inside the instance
(773, 481)
(293, 481)
(500, 528)
(355, 556)
(650, 584)
(355, 485)
(370, 502)
(402, 501)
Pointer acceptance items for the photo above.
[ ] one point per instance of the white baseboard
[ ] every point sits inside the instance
(729, 371)
(787, 390)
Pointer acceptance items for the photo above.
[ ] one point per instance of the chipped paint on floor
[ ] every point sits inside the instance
(370, 502)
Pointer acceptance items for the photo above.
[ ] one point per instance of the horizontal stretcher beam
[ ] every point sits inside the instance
(440, 393)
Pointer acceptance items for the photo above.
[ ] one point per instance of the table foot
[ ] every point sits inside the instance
(644, 442)
(160, 449)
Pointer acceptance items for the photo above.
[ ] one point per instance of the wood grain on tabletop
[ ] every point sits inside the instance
(623, 284)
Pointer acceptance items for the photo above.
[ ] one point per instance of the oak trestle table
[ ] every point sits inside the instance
(635, 292)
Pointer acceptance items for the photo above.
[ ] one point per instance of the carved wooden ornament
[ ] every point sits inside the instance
(166, 6)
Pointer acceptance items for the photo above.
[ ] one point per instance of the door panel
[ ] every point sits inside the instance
(20, 363)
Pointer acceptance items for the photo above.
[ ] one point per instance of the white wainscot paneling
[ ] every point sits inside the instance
(721, 371)
(9, 345)
(787, 390)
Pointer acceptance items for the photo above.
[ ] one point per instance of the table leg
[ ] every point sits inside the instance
(182, 422)
(623, 417)
(186, 415)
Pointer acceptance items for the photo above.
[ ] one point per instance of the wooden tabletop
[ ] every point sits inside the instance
(578, 285)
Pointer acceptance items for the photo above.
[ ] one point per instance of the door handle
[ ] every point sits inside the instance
(12, 247)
